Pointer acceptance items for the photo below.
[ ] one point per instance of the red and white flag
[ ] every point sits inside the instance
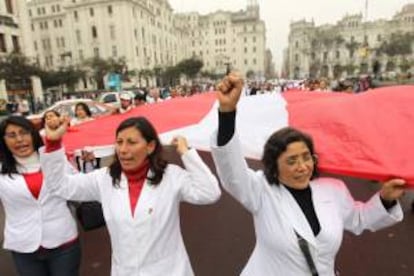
(368, 135)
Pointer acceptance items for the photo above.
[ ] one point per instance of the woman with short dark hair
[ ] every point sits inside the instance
(40, 230)
(299, 219)
(140, 195)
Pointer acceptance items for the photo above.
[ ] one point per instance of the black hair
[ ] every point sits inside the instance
(84, 107)
(277, 144)
(46, 112)
(6, 157)
(157, 163)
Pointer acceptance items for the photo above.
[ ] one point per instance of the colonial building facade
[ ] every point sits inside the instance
(147, 33)
(15, 33)
(352, 46)
(222, 39)
(68, 32)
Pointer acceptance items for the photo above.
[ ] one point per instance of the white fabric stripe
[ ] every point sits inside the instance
(257, 118)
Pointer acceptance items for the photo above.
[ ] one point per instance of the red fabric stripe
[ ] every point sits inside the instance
(165, 116)
(366, 135)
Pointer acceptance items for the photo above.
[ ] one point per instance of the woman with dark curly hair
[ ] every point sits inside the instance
(140, 195)
(299, 218)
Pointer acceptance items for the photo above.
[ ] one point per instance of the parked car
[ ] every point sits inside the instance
(67, 107)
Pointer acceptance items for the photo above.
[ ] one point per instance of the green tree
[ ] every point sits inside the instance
(397, 44)
(405, 65)
(101, 67)
(190, 67)
(68, 76)
(17, 69)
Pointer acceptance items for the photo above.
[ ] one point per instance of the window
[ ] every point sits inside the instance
(325, 56)
(2, 43)
(80, 55)
(245, 62)
(110, 10)
(91, 12)
(32, 26)
(112, 31)
(379, 38)
(58, 42)
(62, 42)
(296, 57)
(16, 46)
(114, 51)
(96, 52)
(78, 36)
(35, 45)
(57, 8)
(245, 49)
(60, 23)
(94, 32)
(53, 8)
(297, 44)
(75, 15)
(30, 13)
(9, 6)
(338, 54)
(254, 61)
(254, 39)
(137, 51)
(254, 49)
(55, 23)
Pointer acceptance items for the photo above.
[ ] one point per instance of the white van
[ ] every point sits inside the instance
(112, 98)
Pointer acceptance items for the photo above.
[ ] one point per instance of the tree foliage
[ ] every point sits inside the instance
(190, 67)
(99, 67)
(17, 69)
(397, 44)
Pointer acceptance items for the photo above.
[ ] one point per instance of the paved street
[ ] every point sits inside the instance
(219, 239)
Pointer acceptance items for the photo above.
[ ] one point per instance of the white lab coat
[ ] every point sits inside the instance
(277, 216)
(30, 222)
(150, 243)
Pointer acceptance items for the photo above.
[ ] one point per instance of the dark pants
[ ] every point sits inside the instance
(61, 261)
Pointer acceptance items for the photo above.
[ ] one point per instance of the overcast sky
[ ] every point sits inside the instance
(278, 14)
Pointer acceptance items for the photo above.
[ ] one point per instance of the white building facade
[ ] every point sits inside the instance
(15, 33)
(350, 47)
(68, 32)
(222, 39)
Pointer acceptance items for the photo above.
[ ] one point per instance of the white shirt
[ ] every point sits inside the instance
(150, 242)
(30, 222)
(277, 216)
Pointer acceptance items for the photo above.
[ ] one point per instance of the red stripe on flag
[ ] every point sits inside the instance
(367, 135)
(165, 116)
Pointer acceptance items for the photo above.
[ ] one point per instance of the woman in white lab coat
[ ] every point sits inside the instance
(299, 219)
(39, 230)
(140, 195)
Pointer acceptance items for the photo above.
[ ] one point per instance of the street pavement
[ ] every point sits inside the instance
(219, 239)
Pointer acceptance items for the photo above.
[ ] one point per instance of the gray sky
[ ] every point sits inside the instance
(279, 13)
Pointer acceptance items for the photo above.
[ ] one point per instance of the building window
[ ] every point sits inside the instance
(254, 49)
(379, 38)
(254, 61)
(75, 15)
(296, 57)
(35, 45)
(325, 56)
(2, 43)
(62, 42)
(91, 12)
(16, 46)
(254, 39)
(57, 8)
(94, 32)
(78, 36)
(96, 52)
(245, 62)
(60, 23)
(137, 51)
(338, 54)
(245, 49)
(80, 55)
(32, 26)
(55, 23)
(53, 9)
(114, 51)
(110, 10)
(30, 13)
(112, 31)
(297, 44)
(9, 6)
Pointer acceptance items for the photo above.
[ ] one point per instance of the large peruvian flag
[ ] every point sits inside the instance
(368, 135)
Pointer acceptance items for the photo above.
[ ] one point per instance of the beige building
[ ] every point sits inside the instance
(351, 46)
(67, 32)
(14, 32)
(222, 39)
